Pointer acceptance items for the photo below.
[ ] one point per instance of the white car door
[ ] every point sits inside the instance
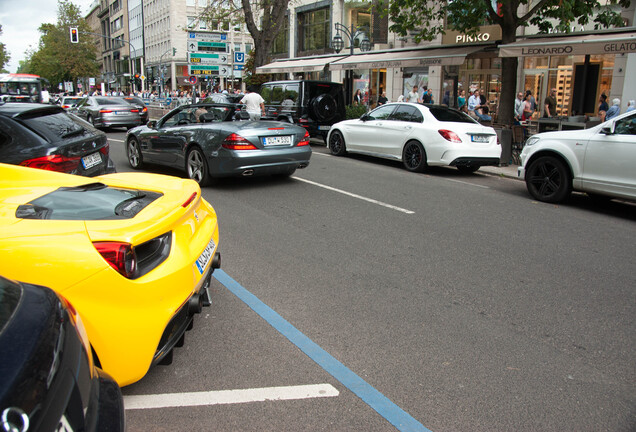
(610, 159)
(366, 136)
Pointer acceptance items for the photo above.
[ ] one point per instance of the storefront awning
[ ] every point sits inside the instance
(312, 64)
(412, 58)
(610, 43)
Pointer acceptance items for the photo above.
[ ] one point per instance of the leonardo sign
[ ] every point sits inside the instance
(609, 43)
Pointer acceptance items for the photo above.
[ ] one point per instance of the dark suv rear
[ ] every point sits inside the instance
(314, 105)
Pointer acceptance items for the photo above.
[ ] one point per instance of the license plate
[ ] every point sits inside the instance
(277, 140)
(324, 127)
(91, 160)
(121, 112)
(205, 256)
(480, 138)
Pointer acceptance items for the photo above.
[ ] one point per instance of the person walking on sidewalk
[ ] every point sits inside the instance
(254, 104)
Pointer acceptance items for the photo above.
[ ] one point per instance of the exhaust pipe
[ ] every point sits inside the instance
(216, 261)
(195, 304)
(248, 172)
(303, 165)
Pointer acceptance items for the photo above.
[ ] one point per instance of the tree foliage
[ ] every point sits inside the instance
(56, 58)
(263, 19)
(4, 54)
(424, 20)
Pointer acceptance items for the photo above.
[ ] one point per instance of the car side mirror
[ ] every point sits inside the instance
(365, 117)
(608, 130)
(152, 124)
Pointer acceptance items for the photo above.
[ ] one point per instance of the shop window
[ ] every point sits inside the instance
(314, 29)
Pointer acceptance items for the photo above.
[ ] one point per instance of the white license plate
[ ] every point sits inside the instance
(324, 127)
(91, 160)
(121, 112)
(205, 256)
(277, 140)
(480, 138)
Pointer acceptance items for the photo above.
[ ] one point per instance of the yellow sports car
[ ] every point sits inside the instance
(134, 254)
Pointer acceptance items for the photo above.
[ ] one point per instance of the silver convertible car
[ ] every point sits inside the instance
(209, 141)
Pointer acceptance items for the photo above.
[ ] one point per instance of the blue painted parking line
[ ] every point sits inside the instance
(376, 400)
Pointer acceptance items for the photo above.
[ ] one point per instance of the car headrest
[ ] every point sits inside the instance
(206, 117)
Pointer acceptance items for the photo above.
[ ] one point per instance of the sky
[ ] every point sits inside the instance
(20, 20)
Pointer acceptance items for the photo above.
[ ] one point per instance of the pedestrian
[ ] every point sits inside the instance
(550, 104)
(531, 100)
(602, 103)
(254, 104)
(413, 96)
(614, 110)
(527, 107)
(357, 97)
(461, 99)
(475, 108)
(382, 99)
(400, 98)
(631, 106)
(518, 114)
(446, 99)
(426, 96)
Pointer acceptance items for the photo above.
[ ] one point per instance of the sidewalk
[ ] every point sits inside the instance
(509, 171)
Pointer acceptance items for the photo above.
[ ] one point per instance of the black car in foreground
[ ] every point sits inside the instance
(48, 380)
(47, 137)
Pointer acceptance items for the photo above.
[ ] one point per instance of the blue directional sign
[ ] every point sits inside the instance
(239, 57)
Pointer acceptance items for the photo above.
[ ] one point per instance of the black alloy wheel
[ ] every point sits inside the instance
(197, 167)
(337, 144)
(548, 179)
(135, 158)
(414, 157)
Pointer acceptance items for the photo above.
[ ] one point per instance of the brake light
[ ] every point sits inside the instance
(135, 110)
(105, 111)
(305, 140)
(237, 142)
(189, 200)
(145, 109)
(120, 256)
(66, 106)
(275, 128)
(450, 136)
(106, 149)
(57, 163)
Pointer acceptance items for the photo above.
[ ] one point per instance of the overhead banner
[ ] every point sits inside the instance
(612, 43)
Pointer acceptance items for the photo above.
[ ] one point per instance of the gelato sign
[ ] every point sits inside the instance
(578, 45)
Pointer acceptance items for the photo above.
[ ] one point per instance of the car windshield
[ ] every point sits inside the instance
(448, 115)
(10, 294)
(93, 201)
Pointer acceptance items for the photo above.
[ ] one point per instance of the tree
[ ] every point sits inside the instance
(468, 15)
(270, 13)
(56, 58)
(4, 54)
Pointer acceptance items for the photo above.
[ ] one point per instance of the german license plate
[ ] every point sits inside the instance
(91, 160)
(324, 127)
(480, 138)
(204, 258)
(277, 140)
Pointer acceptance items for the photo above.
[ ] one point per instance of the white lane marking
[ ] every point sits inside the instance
(224, 397)
(113, 139)
(380, 203)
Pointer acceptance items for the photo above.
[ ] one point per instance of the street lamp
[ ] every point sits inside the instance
(338, 44)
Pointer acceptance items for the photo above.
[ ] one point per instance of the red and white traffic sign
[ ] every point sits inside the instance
(192, 79)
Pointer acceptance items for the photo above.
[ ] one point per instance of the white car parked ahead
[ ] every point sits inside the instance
(419, 136)
(600, 161)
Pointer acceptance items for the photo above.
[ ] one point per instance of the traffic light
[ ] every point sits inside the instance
(74, 35)
(174, 52)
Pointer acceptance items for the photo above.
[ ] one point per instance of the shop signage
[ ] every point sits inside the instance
(490, 34)
(575, 46)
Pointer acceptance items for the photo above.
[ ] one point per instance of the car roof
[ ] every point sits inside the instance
(13, 109)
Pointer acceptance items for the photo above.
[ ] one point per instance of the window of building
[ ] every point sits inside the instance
(248, 48)
(191, 21)
(190, 3)
(203, 25)
(314, 29)
(237, 47)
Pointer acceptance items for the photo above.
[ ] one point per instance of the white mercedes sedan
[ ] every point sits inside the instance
(600, 161)
(418, 135)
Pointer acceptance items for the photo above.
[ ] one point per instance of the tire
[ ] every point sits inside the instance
(414, 157)
(135, 157)
(468, 169)
(337, 144)
(324, 107)
(197, 167)
(548, 179)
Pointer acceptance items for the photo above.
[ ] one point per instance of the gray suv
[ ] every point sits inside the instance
(314, 105)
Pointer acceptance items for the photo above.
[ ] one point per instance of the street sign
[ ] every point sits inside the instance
(225, 71)
(203, 70)
(239, 67)
(239, 57)
(207, 58)
(192, 79)
(203, 46)
(202, 36)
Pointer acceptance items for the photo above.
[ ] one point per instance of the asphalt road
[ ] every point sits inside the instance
(356, 296)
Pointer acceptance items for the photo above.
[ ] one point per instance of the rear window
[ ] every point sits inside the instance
(105, 101)
(57, 126)
(93, 201)
(10, 294)
(449, 115)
